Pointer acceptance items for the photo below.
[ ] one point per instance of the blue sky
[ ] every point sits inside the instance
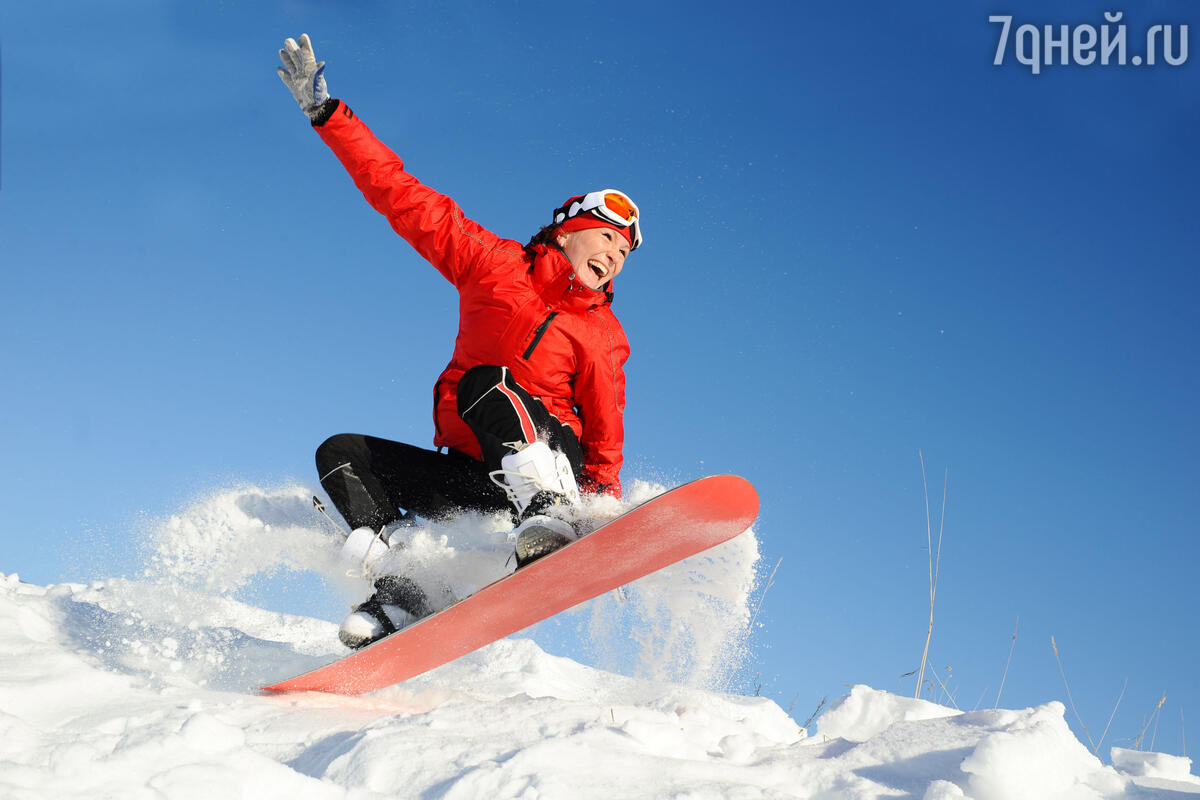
(863, 239)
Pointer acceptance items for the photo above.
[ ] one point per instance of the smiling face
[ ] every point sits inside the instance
(597, 254)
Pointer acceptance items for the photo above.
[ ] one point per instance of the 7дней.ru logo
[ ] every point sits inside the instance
(1049, 45)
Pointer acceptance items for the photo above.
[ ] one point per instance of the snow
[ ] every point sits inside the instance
(145, 687)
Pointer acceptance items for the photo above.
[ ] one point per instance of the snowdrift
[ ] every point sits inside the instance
(145, 687)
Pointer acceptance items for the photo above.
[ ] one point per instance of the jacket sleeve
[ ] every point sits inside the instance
(431, 222)
(600, 399)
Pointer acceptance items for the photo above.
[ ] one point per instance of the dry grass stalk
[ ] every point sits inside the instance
(1071, 699)
(1110, 717)
(813, 716)
(753, 618)
(934, 563)
(949, 696)
(1137, 745)
(1011, 647)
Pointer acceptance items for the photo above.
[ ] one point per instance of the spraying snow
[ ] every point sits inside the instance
(687, 624)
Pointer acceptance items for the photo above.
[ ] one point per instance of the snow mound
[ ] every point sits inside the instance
(865, 713)
(121, 688)
(1153, 765)
(134, 690)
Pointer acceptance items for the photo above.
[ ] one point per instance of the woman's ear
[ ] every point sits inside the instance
(561, 239)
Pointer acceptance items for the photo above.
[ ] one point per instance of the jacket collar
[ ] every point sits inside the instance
(555, 281)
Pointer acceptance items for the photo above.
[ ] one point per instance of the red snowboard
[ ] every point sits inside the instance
(656, 534)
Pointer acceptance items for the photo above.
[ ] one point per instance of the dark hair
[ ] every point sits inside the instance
(544, 236)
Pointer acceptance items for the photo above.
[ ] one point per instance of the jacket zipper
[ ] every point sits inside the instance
(538, 334)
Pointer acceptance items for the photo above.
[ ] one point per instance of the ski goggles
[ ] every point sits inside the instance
(609, 205)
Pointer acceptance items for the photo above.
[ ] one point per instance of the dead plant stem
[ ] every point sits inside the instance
(1011, 647)
(1071, 699)
(934, 562)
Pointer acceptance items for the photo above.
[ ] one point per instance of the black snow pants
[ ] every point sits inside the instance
(374, 482)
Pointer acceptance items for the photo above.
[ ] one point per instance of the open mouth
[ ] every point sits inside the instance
(598, 268)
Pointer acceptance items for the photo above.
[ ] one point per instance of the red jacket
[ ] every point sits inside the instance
(559, 338)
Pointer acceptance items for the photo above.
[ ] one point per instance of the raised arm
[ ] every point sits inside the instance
(428, 220)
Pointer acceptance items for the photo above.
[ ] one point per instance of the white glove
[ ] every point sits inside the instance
(303, 75)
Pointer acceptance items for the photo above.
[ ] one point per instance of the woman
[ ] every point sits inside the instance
(530, 407)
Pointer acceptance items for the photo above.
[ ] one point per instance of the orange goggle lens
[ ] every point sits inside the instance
(621, 205)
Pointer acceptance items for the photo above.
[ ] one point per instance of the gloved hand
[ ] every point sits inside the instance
(303, 75)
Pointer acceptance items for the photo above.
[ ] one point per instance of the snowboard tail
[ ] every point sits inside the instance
(662, 531)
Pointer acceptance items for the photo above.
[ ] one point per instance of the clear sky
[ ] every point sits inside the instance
(863, 239)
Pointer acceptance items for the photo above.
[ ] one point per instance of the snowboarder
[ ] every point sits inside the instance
(529, 409)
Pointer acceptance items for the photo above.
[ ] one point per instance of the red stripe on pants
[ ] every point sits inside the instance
(527, 428)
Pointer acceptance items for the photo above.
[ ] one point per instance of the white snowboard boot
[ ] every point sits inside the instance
(363, 547)
(541, 485)
(396, 603)
(365, 625)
